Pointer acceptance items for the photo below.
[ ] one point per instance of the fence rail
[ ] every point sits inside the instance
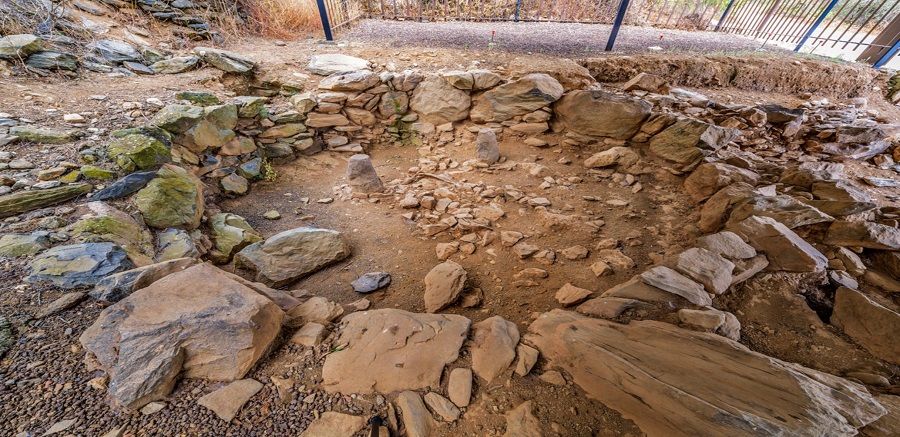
(854, 25)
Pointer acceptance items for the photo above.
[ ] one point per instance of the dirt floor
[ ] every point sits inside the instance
(45, 380)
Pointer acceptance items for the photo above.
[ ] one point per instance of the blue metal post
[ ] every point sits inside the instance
(816, 24)
(887, 55)
(323, 15)
(518, 5)
(724, 16)
(620, 16)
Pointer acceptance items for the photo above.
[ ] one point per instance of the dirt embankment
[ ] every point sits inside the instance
(757, 73)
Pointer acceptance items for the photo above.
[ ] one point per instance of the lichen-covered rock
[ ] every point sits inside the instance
(230, 233)
(175, 65)
(15, 245)
(24, 201)
(174, 199)
(53, 60)
(105, 223)
(214, 130)
(44, 135)
(15, 46)
(138, 152)
(224, 60)
(290, 255)
(177, 119)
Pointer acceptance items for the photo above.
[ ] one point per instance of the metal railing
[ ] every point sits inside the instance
(870, 26)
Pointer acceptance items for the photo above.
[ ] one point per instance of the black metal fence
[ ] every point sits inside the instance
(871, 27)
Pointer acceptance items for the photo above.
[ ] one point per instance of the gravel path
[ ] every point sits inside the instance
(560, 39)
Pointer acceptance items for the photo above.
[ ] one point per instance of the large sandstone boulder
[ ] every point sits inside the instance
(283, 258)
(873, 326)
(688, 141)
(675, 382)
(601, 114)
(118, 286)
(199, 322)
(437, 102)
(174, 199)
(389, 350)
(528, 94)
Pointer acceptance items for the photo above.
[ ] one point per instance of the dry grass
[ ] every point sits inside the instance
(282, 18)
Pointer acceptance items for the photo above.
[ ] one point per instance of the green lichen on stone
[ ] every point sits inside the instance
(138, 151)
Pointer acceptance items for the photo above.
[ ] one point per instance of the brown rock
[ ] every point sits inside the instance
(600, 114)
(438, 102)
(493, 347)
(228, 400)
(389, 350)
(520, 422)
(443, 285)
(717, 209)
(784, 249)
(570, 295)
(609, 307)
(670, 381)
(648, 82)
(334, 424)
(863, 234)
(442, 407)
(528, 356)
(531, 92)
(727, 244)
(416, 419)
(310, 334)
(315, 310)
(459, 388)
(873, 326)
(708, 178)
(62, 303)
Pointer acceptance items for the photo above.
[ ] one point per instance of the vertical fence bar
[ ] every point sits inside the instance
(808, 21)
(323, 15)
(816, 24)
(518, 6)
(887, 55)
(877, 25)
(724, 16)
(620, 16)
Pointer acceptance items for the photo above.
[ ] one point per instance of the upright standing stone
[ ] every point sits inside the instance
(486, 147)
(362, 174)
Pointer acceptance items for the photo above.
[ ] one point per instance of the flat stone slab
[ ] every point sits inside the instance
(293, 254)
(675, 382)
(391, 350)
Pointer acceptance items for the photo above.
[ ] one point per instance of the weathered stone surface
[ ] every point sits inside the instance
(212, 131)
(807, 173)
(601, 114)
(688, 141)
(670, 381)
(784, 209)
(438, 102)
(310, 334)
(175, 65)
(416, 419)
(493, 347)
(717, 209)
(61, 304)
(224, 60)
(486, 147)
(889, 424)
(839, 191)
(570, 295)
(200, 322)
(393, 103)
(315, 310)
(178, 119)
(370, 282)
(334, 63)
(78, 264)
(621, 158)
(357, 80)
(138, 152)
(118, 286)
(15, 46)
(174, 244)
(531, 92)
(334, 424)
(673, 282)
(528, 356)
(174, 199)
(28, 200)
(784, 249)
(648, 82)
(105, 223)
(16, 245)
(459, 386)
(713, 320)
(863, 234)
(443, 285)
(117, 51)
(44, 135)
(889, 261)
(399, 350)
(707, 179)
(442, 407)
(727, 244)
(521, 423)
(230, 234)
(317, 120)
(362, 174)
(707, 268)
(228, 400)
(609, 307)
(873, 326)
(293, 254)
(53, 60)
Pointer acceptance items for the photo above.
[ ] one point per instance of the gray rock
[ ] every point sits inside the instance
(358, 80)
(293, 254)
(117, 51)
(125, 186)
(688, 141)
(53, 60)
(673, 282)
(225, 60)
(78, 264)
(175, 65)
(174, 244)
(727, 244)
(362, 174)
(118, 286)
(230, 233)
(15, 46)
(16, 245)
(707, 268)
(371, 282)
(863, 234)
(783, 209)
(334, 62)
(138, 68)
(486, 148)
